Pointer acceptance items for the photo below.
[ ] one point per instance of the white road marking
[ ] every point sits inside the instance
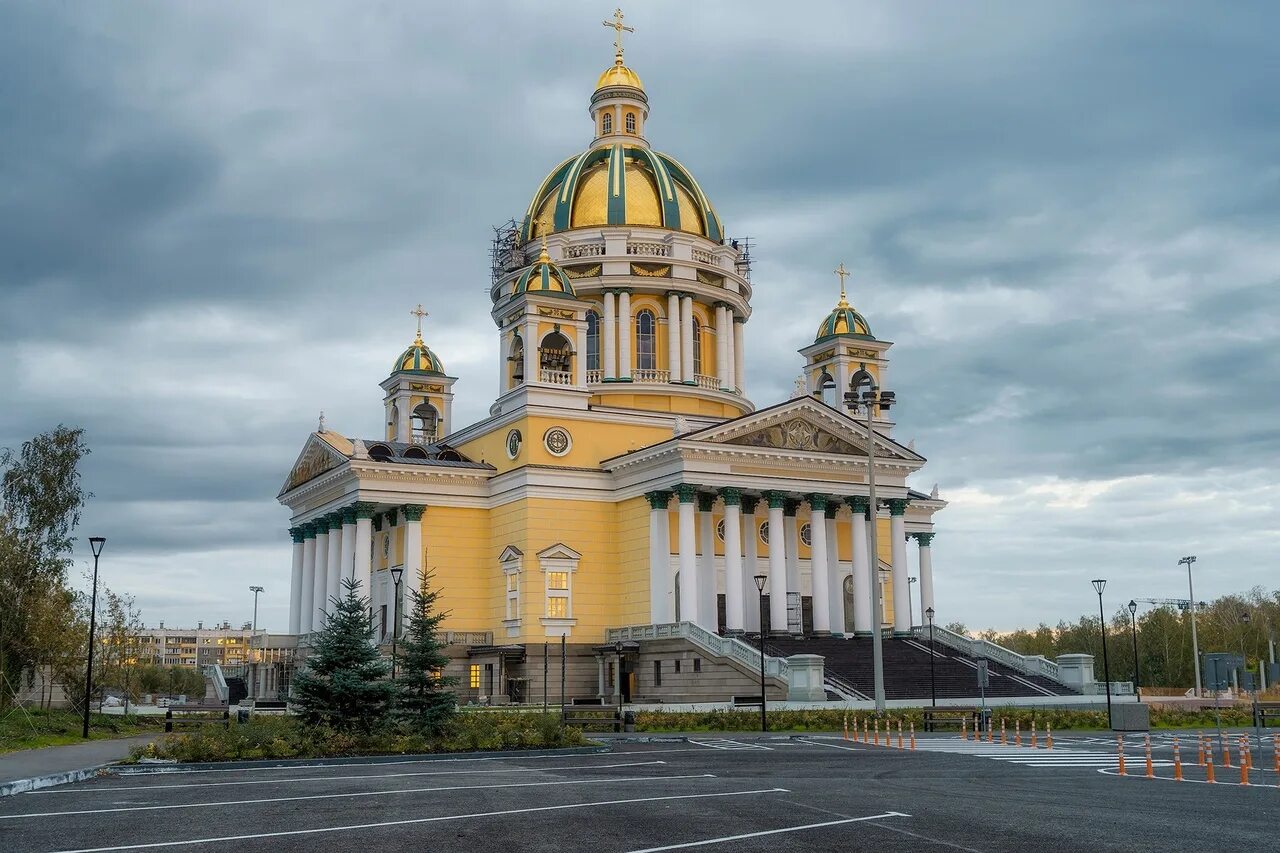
(352, 795)
(833, 746)
(419, 820)
(1141, 775)
(153, 770)
(293, 781)
(725, 838)
(722, 743)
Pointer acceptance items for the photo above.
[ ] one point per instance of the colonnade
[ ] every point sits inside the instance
(691, 595)
(617, 327)
(339, 545)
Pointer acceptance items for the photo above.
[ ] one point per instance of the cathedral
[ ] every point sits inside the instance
(624, 493)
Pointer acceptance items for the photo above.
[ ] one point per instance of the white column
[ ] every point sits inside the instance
(901, 589)
(624, 335)
(320, 598)
(610, 335)
(688, 555)
(364, 550)
(579, 361)
(723, 332)
(412, 553)
(295, 581)
(686, 338)
(673, 336)
(306, 614)
(402, 419)
(862, 623)
(531, 360)
(793, 546)
(346, 560)
(926, 572)
(818, 568)
(731, 368)
(734, 606)
(751, 562)
(739, 357)
(659, 559)
(835, 580)
(333, 570)
(707, 616)
(777, 565)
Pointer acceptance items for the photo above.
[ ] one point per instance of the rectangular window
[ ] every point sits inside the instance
(475, 676)
(511, 583)
(697, 664)
(557, 607)
(657, 673)
(557, 580)
(677, 665)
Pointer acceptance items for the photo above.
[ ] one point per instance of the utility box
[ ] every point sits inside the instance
(1130, 717)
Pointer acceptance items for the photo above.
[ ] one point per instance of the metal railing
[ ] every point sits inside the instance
(726, 647)
(1028, 664)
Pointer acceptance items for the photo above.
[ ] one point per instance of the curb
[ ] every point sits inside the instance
(150, 769)
(22, 786)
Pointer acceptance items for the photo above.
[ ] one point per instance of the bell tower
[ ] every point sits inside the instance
(842, 350)
(418, 394)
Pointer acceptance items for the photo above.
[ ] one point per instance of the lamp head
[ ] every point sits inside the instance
(1186, 561)
(1133, 607)
(887, 399)
(929, 614)
(760, 581)
(1099, 585)
(396, 574)
(96, 543)
(255, 589)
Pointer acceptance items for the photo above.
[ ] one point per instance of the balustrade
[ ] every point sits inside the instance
(555, 377)
(655, 250)
(586, 250)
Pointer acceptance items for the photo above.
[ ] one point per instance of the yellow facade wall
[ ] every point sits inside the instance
(458, 553)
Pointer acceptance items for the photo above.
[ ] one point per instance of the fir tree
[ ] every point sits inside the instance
(345, 681)
(424, 700)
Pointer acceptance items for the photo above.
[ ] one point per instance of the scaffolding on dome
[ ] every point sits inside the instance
(743, 264)
(505, 255)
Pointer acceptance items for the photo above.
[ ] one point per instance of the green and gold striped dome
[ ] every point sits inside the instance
(543, 276)
(844, 321)
(620, 185)
(418, 358)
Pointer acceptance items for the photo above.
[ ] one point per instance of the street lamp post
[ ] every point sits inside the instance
(95, 544)
(1100, 585)
(760, 582)
(395, 617)
(617, 648)
(933, 688)
(255, 590)
(1195, 642)
(1133, 625)
(867, 400)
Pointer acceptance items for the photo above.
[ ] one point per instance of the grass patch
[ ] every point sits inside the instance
(272, 737)
(37, 728)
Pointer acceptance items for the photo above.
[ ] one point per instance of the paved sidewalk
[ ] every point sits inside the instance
(28, 769)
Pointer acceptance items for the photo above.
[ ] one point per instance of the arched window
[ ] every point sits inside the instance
(380, 453)
(517, 361)
(827, 390)
(426, 422)
(697, 347)
(415, 453)
(555, 359)
(646, 334)
(631, 122)
(606, 124)
(593, 340)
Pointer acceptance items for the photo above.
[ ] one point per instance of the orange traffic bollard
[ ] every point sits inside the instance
(1226, 754)
(1120, 754)
(1151, 772)
(1208, 763)
(876, 738)
(1244, 764)
(1177, 761)
(899, 734)
(1275, 752)
(846, 725)
(1048, 736)
(913, 735)
(1033, 734)
(1200, 751)
(991, 730)
(1003, 738)
(1017, 732)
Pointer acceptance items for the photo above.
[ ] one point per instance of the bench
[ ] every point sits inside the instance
(1268, 714)
(577, 717)
(962, 718)
(198, 717)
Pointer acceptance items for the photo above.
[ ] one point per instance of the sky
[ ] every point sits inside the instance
(214, 219)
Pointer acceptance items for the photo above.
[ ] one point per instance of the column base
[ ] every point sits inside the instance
(780, 635)
(820, 634)
(863, 633)
(623, 379)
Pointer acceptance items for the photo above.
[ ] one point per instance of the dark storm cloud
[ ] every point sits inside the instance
(214, 218)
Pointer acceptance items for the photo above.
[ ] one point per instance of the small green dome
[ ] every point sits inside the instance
(418, 358)
(543, 276)
(844, 321)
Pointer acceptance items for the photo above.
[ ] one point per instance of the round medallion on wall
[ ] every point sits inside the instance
(720, 530)
(557, 441)
(764, 532)
(806, 534)
(514, 440)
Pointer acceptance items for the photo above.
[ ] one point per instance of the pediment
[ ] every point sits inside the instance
(804, 425)
(559, 551)
(317, 457)
(510, 554)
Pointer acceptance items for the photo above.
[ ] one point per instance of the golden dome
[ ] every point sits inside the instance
(418, 358)
(619, 75)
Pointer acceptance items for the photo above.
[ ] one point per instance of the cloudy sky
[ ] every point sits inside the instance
(215, 217)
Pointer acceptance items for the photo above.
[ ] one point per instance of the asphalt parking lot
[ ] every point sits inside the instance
(766, 794)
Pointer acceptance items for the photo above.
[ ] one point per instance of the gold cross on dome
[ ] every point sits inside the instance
(618, 29)
(419, 313)
(843, 273)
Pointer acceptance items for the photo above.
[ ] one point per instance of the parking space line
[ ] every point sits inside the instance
(727, 838)
(174, 769)
(352, 795)
(833, 746)
(723, 743)
(419, 820)
(294, 781)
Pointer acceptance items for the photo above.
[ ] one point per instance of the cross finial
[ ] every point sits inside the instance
(618, 28)
(419, 313)
(843, 273)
